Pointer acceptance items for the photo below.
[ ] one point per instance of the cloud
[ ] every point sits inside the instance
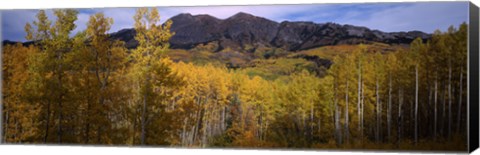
(425, 17)
(387, 17)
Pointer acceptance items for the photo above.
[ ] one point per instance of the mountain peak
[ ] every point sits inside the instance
(242, 15)
(182, 16)
(187, 17)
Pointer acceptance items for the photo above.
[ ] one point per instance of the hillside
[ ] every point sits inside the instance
(244, 31)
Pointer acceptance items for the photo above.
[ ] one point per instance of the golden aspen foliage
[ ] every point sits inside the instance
(87, 88)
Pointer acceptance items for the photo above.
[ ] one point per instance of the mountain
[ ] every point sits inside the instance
(246, 31)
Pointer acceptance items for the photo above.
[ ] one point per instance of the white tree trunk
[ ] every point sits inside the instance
(143, 121)
(359, 96)
(311, 119)
(389, 110)
(337, 118)
(416, 104)
(435, 111)
(450, 100)
(400, 119)
(346, 115)
(224, 117)
(459, 113)
(377, 131)
(442, 120)
(362, 104)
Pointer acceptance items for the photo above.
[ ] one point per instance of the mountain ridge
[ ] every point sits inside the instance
(244, 31)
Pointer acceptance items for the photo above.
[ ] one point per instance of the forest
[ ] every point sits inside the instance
(87, 89)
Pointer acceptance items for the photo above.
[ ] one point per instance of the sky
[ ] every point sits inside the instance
(387, 17)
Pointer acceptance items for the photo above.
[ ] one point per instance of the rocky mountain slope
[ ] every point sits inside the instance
(245, 31)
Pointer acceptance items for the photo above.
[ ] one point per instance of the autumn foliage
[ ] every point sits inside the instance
(89, 89)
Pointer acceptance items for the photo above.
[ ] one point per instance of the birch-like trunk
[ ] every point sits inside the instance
(362, 104)
(459, 113)
(204, 122)
(449, 100)
(337, 126)
(311, 120)
(198, 126)
(346, 115)
(377, 106)
(60, 118)
(400, 119)
(184, 128)
(435, 111)
(416, 104)
(442, 121)
(144, 109)
(261, 122)
(223, 119)
(337, 117)
(60, 98)
(143, 121)
(389, 110)
(359, 96)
